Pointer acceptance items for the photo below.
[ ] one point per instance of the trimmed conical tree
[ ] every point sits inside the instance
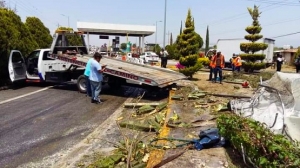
(253, 60)
(188, 47)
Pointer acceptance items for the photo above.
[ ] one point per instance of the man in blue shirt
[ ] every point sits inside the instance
(96, 77)
(87, 72)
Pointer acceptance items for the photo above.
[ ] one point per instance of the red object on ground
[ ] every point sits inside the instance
(245, 84)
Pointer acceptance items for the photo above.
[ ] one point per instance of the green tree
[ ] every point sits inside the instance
(200, 40)
(253, 60)
(123, 46)
(39, 32)
(297, 53)
(14, 36)
(156, 49)
(74, 40)
(207, 40)
(188, 47)
(180, 32)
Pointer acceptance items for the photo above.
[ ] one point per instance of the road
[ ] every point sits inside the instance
(37, 122)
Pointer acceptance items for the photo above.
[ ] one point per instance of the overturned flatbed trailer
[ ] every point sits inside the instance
(117, 72)
(141, 74)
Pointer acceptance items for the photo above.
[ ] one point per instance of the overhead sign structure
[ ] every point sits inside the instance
(103, 37)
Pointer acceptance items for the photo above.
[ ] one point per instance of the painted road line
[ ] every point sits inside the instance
(157, 155)
(25, 95)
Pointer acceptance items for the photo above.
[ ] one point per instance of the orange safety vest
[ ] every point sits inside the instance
(238, 61)
(233, 60)
(211, 60)
(214, 62)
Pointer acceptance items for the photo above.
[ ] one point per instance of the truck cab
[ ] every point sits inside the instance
(32, 68)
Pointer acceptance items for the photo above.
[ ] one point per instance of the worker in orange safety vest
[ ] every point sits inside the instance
(211, 70)
(218, 64)
(232, 61)
(238, 63)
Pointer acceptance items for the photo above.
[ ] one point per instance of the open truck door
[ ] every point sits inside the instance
(16, 66)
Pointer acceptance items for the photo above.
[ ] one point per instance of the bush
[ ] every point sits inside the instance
(189, 71)
(253, 29)
(264, 148)
(253, 47)
(188, 44)
(253, 37)
(204, 61)
(253, 57)
(251, 66)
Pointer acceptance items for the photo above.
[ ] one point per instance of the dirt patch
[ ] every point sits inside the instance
(224, 88)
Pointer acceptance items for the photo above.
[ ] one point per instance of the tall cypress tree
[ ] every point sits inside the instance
(188, 47)
(171, 39)
(250, 48)
(180, 29)
(207, 40)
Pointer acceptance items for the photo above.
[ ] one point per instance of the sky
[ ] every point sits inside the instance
(226, 18)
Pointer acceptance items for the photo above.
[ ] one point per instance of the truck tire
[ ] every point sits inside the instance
(81, 85)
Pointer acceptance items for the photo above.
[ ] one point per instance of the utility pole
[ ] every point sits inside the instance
(156, 35)
(68, 19)
(165, 24)
(168, 37)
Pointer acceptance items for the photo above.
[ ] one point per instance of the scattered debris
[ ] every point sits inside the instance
(140, 104)
(145, 109)
(177, 97)
(226, 95)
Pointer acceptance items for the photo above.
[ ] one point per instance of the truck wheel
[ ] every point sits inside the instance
(81, 84)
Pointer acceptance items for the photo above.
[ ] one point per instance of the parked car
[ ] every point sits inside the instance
(149, 57)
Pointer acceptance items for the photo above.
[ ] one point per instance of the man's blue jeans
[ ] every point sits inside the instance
(233, 68)
(88, 86)
(96, 89)
(218, 70)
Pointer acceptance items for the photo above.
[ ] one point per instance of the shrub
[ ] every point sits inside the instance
(252, 47)
(204, 61)
(188, 44)
(264, 148)
(253, 57)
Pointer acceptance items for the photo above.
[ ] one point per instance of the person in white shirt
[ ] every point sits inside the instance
(164, 58)
(279, 62)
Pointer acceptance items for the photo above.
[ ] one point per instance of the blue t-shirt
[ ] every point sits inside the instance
(95, 75)
(87, 70)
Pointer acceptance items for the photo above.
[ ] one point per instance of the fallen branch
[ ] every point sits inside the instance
(173, 157)
(127, 105)
(226, 95)
(233, 82)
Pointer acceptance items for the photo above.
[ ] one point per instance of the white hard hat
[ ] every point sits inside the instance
(219, 51)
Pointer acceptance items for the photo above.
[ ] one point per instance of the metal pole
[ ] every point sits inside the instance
(68, 22)
(165, 24)
(155, 36)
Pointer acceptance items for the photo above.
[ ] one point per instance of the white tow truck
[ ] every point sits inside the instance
(64, 62)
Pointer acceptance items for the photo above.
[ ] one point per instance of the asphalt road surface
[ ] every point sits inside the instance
(36, 122)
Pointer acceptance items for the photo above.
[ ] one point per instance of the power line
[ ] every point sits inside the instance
(276, 2)
(29, 10)
(271, 24)
(284, 35)
(241, 15)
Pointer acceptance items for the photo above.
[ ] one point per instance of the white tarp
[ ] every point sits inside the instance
(277, 104)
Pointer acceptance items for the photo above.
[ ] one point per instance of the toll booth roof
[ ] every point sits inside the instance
(115, 29)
